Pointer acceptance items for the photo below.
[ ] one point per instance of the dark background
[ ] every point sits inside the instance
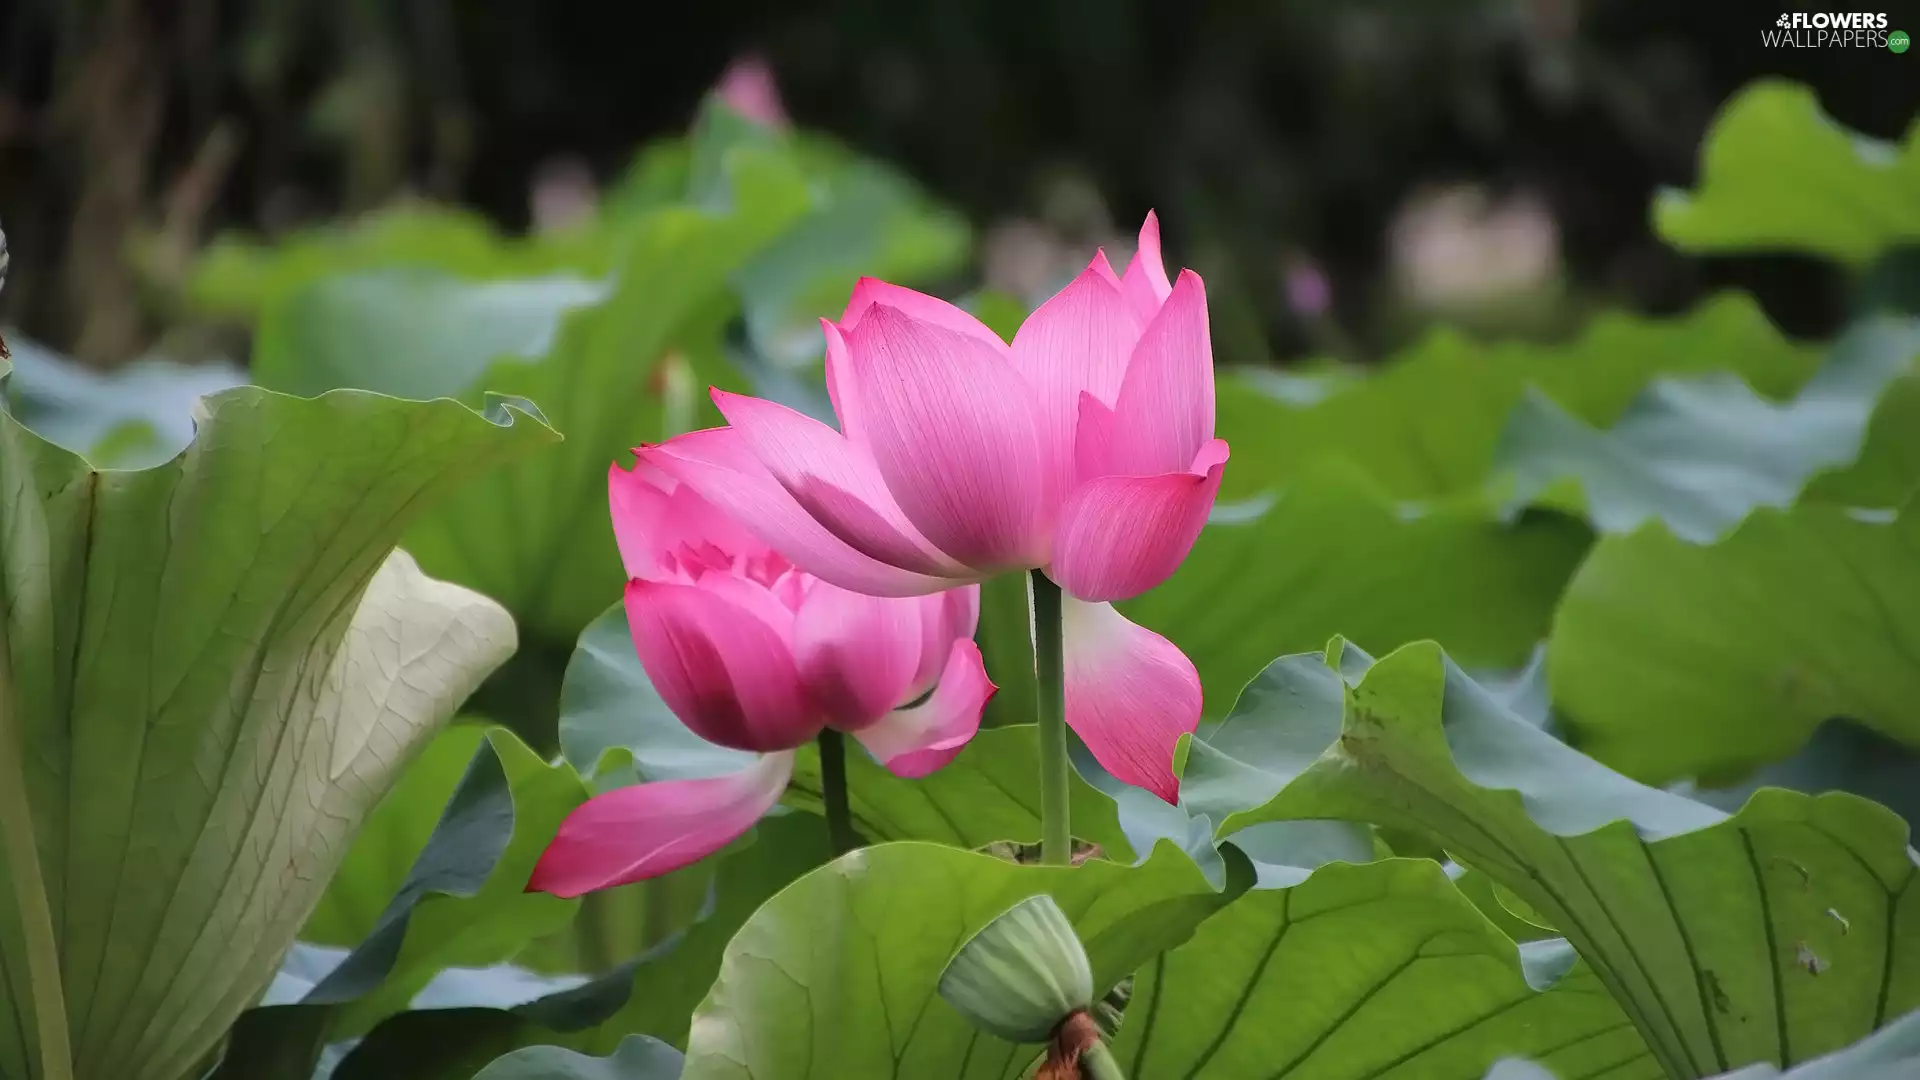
(131, 131)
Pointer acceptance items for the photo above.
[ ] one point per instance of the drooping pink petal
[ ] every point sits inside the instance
(944, 618)
(920, 307)
(655, 515)
(833, 481)
(640, 832)
(725, 673)
(953, 429)
(1078, 342)
(917, 741)
(1122, 535)
(1164, 414)
(857, 654)
(1131, 694)
(717, 464)
(1145, 283)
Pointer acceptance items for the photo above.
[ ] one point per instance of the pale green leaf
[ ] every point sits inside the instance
(221, 654)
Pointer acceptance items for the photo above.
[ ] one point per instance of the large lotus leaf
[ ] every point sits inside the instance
(220, 653)
(1701, 453)
(535, 536)
(836, 976)
(1672, 659)
(988, 793)
(1777, 174)
(1330, 556)
(1426, 424)
(1779, 934)
(1379, 971)
(1892, 1053)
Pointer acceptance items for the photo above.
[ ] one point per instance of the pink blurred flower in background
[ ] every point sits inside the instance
(1085, 447)
(748, 88)
(753, 654)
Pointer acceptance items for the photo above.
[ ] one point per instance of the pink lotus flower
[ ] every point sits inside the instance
(1086, 448)
(753, 654)
(748, 88)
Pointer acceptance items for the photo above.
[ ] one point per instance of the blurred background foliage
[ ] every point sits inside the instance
(1343, 174)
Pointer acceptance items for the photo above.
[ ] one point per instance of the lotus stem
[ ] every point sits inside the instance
(1096, 1063)
(1056, 825)
(833, 791)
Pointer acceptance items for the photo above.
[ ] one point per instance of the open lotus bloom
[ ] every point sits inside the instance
(753, 654)
(1085, 447)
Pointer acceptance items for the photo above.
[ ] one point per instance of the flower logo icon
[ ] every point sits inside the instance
(1783, 21)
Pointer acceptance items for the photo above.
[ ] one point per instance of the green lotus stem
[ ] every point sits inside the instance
(1096, 1063)
(48, 996)
(833, 791)
(1056, 824)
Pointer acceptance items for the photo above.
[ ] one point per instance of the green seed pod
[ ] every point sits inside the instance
(1022, 974)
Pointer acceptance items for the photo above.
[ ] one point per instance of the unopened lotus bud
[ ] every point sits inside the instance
(1022, 974)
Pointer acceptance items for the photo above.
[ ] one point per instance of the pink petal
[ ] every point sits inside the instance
(640, 832)
(952, 427)
(1078, 342)
(1093, 439)
(833, 481)
(1131, 694)
(921, 740)
(846, 408)
(857, 654)
(725, 673)
(944, 618)
(920, 307)
(717, 464)
(1145, 284)
(748, 88)
(655, 515)
(1122, 535)
(1164, 414)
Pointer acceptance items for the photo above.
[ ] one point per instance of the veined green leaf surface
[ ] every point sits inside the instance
(223, 655)
(1782, 933)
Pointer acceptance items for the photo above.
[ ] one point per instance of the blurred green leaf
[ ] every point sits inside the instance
(413, 333)
(1426, 424)
(225, 653)
(1777, 174)
(1700, 454)
(1331, 556)
(635, 1059)
(1671, 659)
